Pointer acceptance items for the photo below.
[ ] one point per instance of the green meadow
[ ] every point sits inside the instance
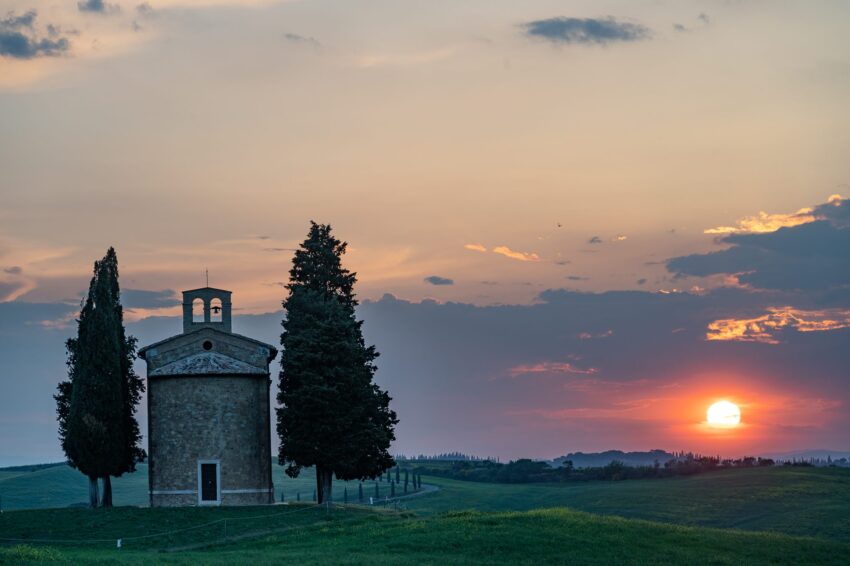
(749, 516)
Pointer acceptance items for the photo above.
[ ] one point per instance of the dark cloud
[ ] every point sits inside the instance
(437, 280)
(599, 31)
(641, 281)
(302, 39)
(702, 18)
(577, 278)
(97, 6)
(145, 10)
(836, 211)
(595, 240)
(56, 31)
(17, 22)
(139, 299)
(811, 256)
(8, 287)
(278, 249)
(20, 40)
(13, 270)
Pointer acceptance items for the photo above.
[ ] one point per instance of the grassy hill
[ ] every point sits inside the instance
(795, 501)
(307, 535)
(778, 515)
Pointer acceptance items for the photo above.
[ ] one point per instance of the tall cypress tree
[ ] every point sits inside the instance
(332, 415)
(96, 405)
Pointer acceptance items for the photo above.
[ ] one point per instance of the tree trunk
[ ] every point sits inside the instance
(324, 479)
(93, 492)
(107, 492)
(329, 478)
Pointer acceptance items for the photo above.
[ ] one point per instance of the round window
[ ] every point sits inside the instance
(207, 345)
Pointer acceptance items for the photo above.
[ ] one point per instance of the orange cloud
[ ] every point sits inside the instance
(476, 248)
(521, 256)
(764, 222)
(763, 328)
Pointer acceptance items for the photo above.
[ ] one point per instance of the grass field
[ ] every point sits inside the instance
(779, 515)
(353, 536)
(797, 501)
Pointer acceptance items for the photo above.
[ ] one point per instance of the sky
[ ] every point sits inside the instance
(575, 224)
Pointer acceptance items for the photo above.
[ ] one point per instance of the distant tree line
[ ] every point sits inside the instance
(531, 471)
(444, 457)
(828, 462)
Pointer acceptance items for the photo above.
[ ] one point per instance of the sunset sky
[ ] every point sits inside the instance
(576, 224)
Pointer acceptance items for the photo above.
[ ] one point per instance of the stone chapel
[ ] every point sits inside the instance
(208, 392)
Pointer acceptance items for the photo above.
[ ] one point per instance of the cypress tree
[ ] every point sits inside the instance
(96, 405)
(397, 474)
(360, 492)
(332, 415)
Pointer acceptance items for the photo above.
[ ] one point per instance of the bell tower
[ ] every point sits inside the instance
(216, 309)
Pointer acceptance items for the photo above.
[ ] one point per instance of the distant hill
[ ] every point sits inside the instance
(597, 459)
(32, 467)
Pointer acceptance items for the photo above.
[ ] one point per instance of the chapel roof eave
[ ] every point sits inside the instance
(208, 289)
(272, 349)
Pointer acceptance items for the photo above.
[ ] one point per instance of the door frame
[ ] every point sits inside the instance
(201, 500)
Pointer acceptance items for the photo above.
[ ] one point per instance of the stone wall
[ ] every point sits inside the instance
(221, 417)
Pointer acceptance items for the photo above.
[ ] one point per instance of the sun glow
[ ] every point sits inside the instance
(724, 414)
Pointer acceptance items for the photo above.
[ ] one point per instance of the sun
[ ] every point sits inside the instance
(724, 414)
